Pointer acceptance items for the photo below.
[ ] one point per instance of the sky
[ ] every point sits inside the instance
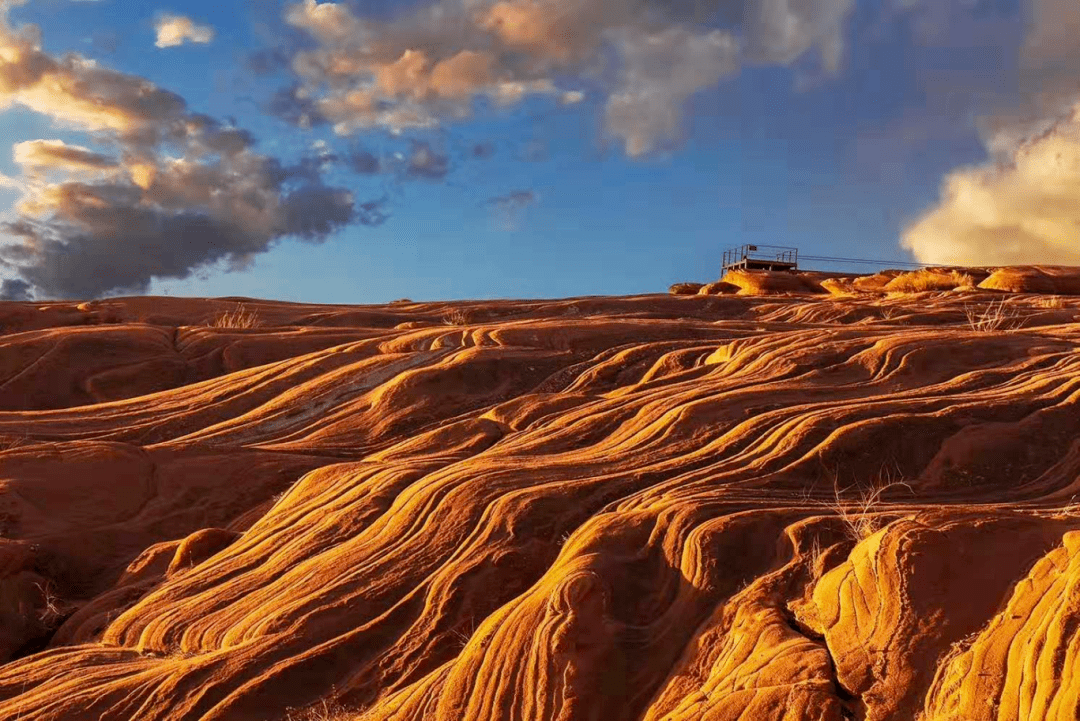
(365, 151)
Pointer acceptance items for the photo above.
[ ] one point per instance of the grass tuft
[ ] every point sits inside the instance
(240, 317)
(456, 317)
(11, 442)
(990, 318)
(322, 711)
(52, 611)
(860, 511)
(1070, 510)
(889, 312)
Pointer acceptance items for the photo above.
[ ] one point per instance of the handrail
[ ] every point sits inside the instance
(765, 253)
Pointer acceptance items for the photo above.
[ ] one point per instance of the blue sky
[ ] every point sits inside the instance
(784, 149)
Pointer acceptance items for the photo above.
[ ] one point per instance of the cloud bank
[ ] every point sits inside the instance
(158, 191)
(644, 59)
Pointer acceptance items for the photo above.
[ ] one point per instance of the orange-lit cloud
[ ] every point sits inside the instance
(1023, 211)
(646, 58)
(58, 155)
(174, 30)
(1023, 206)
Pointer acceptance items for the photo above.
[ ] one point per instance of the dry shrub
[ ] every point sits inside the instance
(52, 611)
(240, 317)
(322, 711)
(463, 635)
(816, 557)
(1070, 510)
(456, 317)
(860, 510)
(11, 442)
(1051, 303)
(990, 318)
(920, 281)
(889, 312)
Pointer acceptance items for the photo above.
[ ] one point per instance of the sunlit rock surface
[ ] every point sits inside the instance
(821, 506)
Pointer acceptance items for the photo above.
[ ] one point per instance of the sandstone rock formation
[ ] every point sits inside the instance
(700, 507)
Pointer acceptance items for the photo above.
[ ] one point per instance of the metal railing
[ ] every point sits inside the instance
(761, 253)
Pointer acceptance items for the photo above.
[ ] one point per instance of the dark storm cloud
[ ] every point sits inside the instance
(313, 212)
(13, 289)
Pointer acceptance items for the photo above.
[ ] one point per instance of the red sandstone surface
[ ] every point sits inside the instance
(758, 507)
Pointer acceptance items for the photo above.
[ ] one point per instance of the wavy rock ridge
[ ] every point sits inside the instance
(597, 509)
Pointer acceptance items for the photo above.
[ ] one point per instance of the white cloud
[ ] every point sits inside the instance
(175, 30)
(779, 32)
(660, 72)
